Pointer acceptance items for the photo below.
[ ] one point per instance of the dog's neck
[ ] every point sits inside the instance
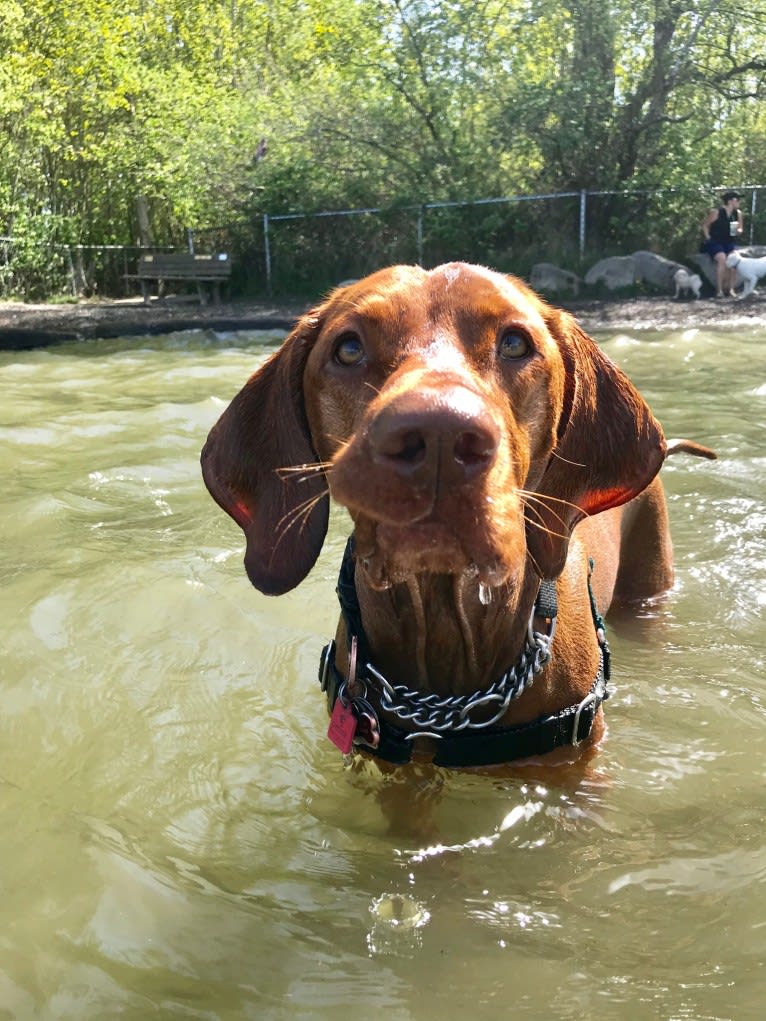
(413, 628)
(437, 634)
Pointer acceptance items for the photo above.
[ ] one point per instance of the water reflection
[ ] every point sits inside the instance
(179, 839)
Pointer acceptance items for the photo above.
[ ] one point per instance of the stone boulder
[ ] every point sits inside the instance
(547, 277)
(656, 270)
(614, 272)
(705, 265)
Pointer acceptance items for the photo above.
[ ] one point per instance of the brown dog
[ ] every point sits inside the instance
(489, 455)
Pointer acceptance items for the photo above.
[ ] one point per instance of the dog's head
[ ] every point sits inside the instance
(464, 423)
(733, 259)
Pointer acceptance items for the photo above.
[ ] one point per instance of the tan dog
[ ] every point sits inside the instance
(485, 448)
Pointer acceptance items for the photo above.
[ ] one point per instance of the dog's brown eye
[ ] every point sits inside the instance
(514, 344)
(349, 350)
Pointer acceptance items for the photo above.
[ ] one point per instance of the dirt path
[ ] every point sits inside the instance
(26, 326)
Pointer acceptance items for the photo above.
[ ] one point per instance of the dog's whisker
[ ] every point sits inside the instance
(533, 510)
(545, 499)
(530, 499)
(342, 444)
(565, 460)
(540, 523)
(548, 531)
(542, 526)
(535, 565)
(299, 513)
(309, 466)
(307, 471)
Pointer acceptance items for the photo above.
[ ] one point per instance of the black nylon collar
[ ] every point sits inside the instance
(494, 746)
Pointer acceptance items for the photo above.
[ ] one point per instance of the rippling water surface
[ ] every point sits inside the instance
(178, 837)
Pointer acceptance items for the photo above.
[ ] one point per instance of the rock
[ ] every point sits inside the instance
(705, 265)
(547, 277)
(615, 272)
(656, 269)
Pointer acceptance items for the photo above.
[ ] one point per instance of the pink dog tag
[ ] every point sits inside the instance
(342, 727)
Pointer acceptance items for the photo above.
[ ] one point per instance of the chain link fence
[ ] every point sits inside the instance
(307, 253)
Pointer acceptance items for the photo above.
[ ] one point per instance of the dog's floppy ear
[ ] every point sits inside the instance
(609, 447)
(248, 465)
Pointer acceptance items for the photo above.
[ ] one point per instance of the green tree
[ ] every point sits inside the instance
(626, 76)
(155, 115)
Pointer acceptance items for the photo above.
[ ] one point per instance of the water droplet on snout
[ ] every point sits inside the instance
(485, 594)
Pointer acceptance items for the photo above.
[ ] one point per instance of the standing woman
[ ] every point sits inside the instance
(721, 228)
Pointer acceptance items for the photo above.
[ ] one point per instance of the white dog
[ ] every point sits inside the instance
(748, 270)
(686, 281)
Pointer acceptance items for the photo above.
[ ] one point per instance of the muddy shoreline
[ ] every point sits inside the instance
(24, 326)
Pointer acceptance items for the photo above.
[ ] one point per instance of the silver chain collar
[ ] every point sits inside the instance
(434, 715)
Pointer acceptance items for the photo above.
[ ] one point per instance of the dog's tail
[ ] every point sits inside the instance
(690, 447)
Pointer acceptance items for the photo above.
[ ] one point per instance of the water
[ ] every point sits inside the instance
(179, 840)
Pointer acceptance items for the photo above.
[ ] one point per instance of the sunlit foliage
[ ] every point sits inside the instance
(119, 120)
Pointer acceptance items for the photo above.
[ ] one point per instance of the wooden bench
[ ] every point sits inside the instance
(212, 269)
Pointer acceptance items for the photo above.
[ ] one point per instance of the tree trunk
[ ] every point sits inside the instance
(145, 236)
